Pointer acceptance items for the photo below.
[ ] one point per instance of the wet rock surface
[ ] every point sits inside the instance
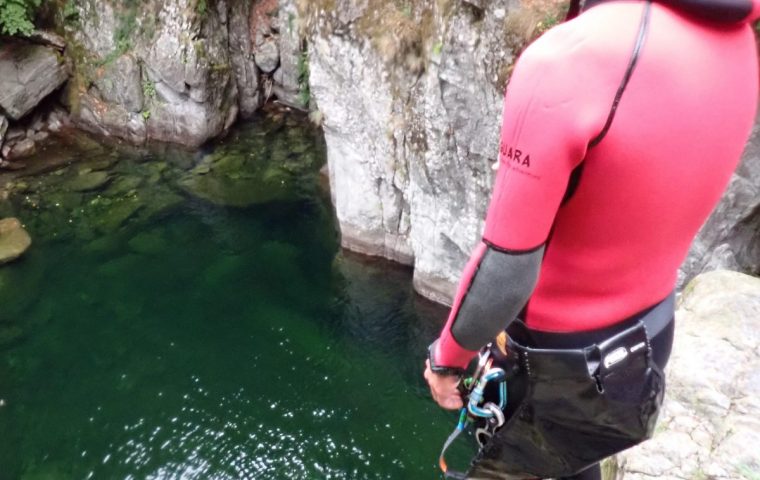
(14, 240)
(710, 426)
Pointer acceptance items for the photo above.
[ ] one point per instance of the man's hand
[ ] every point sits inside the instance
(444, 389)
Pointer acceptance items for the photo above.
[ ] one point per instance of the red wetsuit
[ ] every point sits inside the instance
(614, 248)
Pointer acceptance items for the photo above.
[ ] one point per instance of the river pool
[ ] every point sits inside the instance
(189, 315)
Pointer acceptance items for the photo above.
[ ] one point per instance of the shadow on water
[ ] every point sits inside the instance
(189, 315)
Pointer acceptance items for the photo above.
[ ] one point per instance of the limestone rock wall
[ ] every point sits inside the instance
(159, 70)
(410, 96)
(179, 71)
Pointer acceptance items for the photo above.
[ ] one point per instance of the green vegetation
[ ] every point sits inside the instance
(549, 21)
(407, 11)
(17, 16)
(149, 89)
(122, 36)
(304, 93)
(750, 472)
(437, 48)
(201, 7)
(125, 31)
(70, 12)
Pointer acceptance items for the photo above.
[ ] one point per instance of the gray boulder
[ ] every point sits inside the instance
(120, 83)
(28, 74)
(710, 425)
(14, 240)
(21, 149)
(166, 76)
(267, 56)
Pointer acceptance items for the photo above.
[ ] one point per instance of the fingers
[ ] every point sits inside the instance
(451, 402)
(443, 389)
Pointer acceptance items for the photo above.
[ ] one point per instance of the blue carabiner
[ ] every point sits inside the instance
(476, 397)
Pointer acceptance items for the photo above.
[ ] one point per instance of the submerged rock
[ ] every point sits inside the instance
(14, 240)
(238, 179)
(87, 181)
(116, 213)
(232, 190)
(124, 184)
(149, 243)
(711, 417)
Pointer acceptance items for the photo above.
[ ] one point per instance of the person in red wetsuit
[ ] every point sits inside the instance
(621, 130)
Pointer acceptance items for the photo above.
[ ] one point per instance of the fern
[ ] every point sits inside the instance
(16, 16)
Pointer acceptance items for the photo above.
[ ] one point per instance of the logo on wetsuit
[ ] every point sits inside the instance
(515, 155)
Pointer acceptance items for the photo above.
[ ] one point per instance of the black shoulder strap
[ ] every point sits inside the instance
(575, 176)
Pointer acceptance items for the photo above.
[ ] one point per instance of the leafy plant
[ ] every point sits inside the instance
(304, 92)
(201, 7)
(70, 11)
(124, 32)
(17, 16)
(438, 48)
(149, 89)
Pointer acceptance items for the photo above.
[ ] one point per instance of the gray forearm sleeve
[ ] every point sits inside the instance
(498, 292)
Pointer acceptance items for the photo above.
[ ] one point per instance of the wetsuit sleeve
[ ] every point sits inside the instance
(549, 118)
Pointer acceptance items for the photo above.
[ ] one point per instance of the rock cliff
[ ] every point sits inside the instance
(179, 71)
(410, 95)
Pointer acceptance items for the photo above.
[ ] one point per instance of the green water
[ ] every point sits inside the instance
(155, 332)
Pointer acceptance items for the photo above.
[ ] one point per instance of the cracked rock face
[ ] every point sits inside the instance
(28, 74)
(710, 425)
(411, 103)
(170, 71)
